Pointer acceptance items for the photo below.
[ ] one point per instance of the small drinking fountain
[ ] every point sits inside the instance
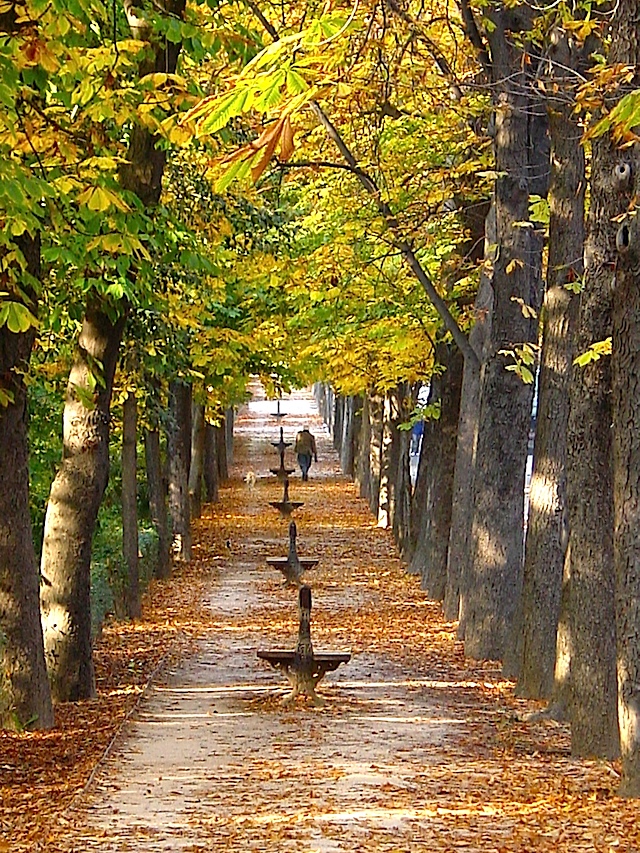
(304, 667)
(292, 566)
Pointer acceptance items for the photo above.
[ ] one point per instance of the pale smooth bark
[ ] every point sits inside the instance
(178, 452)
(72, 510)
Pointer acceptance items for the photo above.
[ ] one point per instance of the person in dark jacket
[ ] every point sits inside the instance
(306, 450)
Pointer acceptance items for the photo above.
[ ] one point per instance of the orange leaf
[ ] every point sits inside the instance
(286, 140)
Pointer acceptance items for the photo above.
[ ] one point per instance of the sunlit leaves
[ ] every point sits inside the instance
(596, 351)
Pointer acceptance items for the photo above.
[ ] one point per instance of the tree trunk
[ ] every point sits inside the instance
(363, 462)
(229, 420)
(210, 472)
(197, 460)
(430, 557)
(376, 413)
(505, 407)
(626, 435)
(626, 407)
(458, 554)
(389, 458)
(402, 487)
(347, 443)
(157, 500)
(25, 698)
(221, 453)
(178, 451)
(590, 488)
(547, 531)
(130, 504)
(420, 497)
(338, 422)
(73, 507)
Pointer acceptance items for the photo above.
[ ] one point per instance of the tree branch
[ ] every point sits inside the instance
(473, 34)
(398, 240)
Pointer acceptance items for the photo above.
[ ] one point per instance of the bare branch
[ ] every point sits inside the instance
(473, 34)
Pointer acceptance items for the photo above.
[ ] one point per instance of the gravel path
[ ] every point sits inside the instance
(212, 760)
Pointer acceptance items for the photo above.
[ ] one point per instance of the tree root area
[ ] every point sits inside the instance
(190, 747)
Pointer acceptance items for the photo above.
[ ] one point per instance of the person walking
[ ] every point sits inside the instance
(306, 449)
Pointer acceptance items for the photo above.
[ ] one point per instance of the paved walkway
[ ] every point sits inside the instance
(213, 761)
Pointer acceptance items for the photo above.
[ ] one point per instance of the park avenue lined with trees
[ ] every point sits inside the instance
(374, 197)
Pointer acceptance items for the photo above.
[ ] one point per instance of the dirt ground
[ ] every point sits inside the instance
(414, 749)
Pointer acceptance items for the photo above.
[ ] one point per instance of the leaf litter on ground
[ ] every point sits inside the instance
(500, 785)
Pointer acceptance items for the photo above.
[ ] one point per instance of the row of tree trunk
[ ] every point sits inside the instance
(554, 598)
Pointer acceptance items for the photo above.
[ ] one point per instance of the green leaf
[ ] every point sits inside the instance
(16, 317)
(229, 107)
(295, 83)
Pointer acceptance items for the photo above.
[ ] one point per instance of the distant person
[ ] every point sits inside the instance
(416, 437)
(306, 450)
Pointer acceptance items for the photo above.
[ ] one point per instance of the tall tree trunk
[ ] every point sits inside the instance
(626, 408)
(547, 531)
(402, 487)
(347, 444)
(590, 488)
(221, 452)
(389, 458)
(157, 499)
(458, 554)
(73, 507)
(376, 420)
(229, 421)
(77, 490)
(338, 422)
(24, 689)
(505, 408)
(363, 462)
(210, 471)
(179, 451)
(197, 460)
(130, 504)
(430, 557)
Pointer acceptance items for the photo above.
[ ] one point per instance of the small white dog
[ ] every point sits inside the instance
(251, 479)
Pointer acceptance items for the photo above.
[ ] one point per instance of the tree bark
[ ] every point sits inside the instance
(347, 443)
(221, 452)
(459, 550)
(210, 472)
(430, 557)
(338, 422)
(229, 421)
(25, 698)
(376, 414)
(157, 499)
(130, 504)
(590, 488)
(363, 462)
(547, 530)
(402, 486)
(626, 408)
(73, 507)
(505, 408)
(389, 458)
(179, 451)
(197, 460)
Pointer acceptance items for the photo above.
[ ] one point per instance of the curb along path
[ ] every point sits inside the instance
(213, 761)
